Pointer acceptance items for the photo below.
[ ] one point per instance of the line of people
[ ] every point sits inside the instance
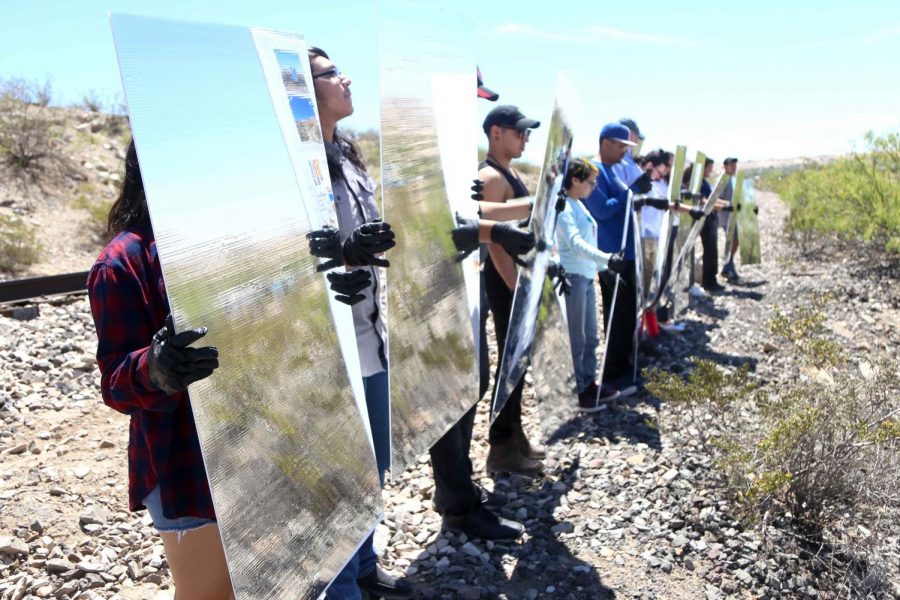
(146, 368)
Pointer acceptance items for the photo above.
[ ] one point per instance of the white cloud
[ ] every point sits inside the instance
(610, 32)
(882, 35)
(587, 35)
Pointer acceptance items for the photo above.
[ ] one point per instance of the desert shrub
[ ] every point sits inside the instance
(97, 210)
(30, 142)
(91, 101)
(856, 197)
(27, 91)
(19, 246)
(821, 458)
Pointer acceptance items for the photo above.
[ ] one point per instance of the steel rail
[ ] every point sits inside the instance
(15, 290)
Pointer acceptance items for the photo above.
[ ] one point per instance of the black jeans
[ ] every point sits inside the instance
(709, 237)
(500, 299)
(454, 493)
(621, 333)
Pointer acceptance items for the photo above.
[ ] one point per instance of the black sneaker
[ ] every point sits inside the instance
(380, 584)
(491, 499)
(714, 287)
(483, 524)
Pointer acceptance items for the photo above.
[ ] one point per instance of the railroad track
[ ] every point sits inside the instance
(17, 290)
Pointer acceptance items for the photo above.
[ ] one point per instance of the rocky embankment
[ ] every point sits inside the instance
(630, 506)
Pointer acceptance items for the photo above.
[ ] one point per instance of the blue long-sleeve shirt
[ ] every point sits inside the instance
(608, 204)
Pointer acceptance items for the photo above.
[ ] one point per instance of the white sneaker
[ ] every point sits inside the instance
(697, 292)
(672, 327)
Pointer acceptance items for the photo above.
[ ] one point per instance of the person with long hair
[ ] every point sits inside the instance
(357, 246)
(145, 370)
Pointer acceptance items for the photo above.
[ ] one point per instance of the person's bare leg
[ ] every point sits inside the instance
(197, 563)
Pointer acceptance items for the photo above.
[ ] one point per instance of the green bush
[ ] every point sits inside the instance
(856, 197)
(19, 247)
(820, 458)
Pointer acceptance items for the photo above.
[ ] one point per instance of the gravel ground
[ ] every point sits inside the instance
(625, 509)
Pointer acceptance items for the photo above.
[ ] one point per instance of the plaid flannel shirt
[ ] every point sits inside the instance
(129, 304)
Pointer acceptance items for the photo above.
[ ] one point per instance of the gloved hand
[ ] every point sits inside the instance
(366, 241)
(617, 263)
(348, 285)
(642, 184)
(477, 190)
(561, 201)
(326, 243)
(658, 203)
(172, 365)
(638, 202)
(727, 208)
(696, 213)
(555, 271)
(512, 236)
(465, 236)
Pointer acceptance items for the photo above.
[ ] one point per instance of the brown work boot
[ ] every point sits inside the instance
(526, 448)
(506, 458)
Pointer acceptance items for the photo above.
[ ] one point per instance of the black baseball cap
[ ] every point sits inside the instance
(508, 116)
(483, 92)
(729, 160)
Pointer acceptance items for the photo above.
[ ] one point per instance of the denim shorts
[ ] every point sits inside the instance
(153, 502)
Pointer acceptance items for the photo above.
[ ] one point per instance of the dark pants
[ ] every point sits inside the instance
(500, 299)
(454, 493)
(621, 333)
(709, 237)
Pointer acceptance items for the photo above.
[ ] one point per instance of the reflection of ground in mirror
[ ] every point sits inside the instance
(433, 374)
(529, 286)
(748, 227)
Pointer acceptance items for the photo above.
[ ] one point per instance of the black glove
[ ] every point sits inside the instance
(727, 208)
(557, 272)
(696, 213)
(617, 263)
(465, 236)
(658, 203)
(642, 184)
(561, 201)
(513, 238)
(172, 365)
(477, 190)
(326, 243)
(366, 241)
(349, 284)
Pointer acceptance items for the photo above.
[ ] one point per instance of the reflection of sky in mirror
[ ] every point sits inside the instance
(301, 108)
(238, 128)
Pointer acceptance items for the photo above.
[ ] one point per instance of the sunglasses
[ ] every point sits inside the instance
(329, 73)
(520, 133)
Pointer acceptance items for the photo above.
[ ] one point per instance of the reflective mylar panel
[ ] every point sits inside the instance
(290, 467)
(552, 368)
(748, 225)
(434, 379)
(530, 281)
(681, 260)
(682, 278)
(454, 104)
(737, 182)
(662, 265)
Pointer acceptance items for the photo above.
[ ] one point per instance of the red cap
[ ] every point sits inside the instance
(483, 92)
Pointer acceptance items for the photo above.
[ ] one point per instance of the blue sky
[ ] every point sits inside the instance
(756, 80)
